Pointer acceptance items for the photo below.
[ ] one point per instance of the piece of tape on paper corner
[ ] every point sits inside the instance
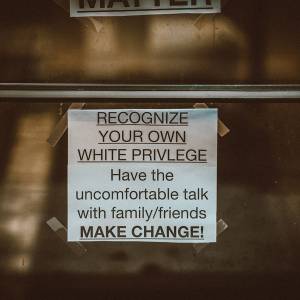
(202, 20)
(61, 231)
(222, 128)
(221, 227)
(62, 125)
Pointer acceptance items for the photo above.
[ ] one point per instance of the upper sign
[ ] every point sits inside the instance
(142, 175)
(90, 8)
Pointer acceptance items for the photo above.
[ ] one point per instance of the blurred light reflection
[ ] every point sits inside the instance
(24, 189)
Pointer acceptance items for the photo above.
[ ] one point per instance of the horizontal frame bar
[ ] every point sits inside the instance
(118, 91)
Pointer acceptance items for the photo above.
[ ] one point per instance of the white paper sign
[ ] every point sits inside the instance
(90, 8)
(142, 175)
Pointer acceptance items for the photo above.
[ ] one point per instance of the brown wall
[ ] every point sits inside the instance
(251, 41)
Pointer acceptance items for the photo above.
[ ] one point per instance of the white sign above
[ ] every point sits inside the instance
(92, 8)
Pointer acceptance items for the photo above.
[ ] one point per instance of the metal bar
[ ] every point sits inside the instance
(98, 91)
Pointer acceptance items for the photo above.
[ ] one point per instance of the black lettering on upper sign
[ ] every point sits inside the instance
(92, 4)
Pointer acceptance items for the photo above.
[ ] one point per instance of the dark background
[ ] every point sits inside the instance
(251, 41)
(258, 174)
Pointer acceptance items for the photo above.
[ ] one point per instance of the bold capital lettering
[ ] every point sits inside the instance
(112, 2)
(178, 3)
(86, 233)
(91, 3)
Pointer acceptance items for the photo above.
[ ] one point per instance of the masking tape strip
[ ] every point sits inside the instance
(202, 20)
(62, 126)
(221, 227)
(62, 233)
(63, 4)
(222, 128)
(96, 22)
